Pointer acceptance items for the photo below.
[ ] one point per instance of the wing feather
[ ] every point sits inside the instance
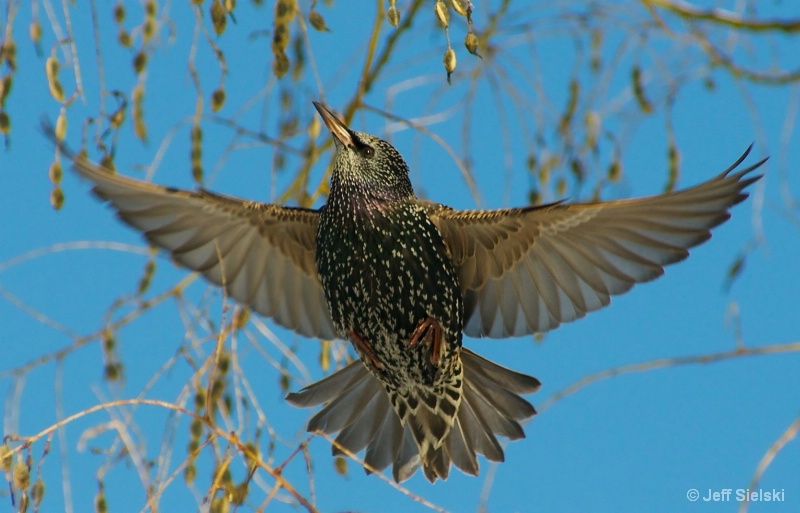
(529, 270)
(264, 254)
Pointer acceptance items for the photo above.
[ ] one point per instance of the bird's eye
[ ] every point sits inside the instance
(368, 151)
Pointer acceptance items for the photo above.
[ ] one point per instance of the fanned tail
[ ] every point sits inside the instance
(359, 409)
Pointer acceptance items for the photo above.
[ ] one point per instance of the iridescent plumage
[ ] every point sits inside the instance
(403, 279)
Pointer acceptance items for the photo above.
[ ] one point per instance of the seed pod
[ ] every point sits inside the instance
(119, 13)
(285, 11)
(38, 492)
(5, 88)
(217, 100)
(442, 13)
(460, 7)
(150, 8)
(471, 42)
(230, 5)
(449, 62)
(280, 38)
(56, 173)
(139, 127)
(614, 171)
(124, 39)
(281, 65)
(5, 458)
(190, 473)
(318, 22)
(394, 16)
(57, 198)
(197, 154)
(22, 476)
(100, 504)
(5, 123)
(218, 17)
(8, 53)
(61, 126)
(51, 67)
(35, 32)
(139, 62)
(340, 464)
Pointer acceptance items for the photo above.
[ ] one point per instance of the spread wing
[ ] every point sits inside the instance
(264, 254)
(528, 270)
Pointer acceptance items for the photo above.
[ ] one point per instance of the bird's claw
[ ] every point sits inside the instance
(364, 350)
(429, 331)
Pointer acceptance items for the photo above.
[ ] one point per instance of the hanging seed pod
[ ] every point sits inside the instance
(340, 465)
(442, 14)
(394, 16)
(281, 65)
(37, 492)
(61, 126)
(674, 156)
(35, 32)
(55, 173)
(22, 476)
(100, 503)
(449, 62)
(119, 13)
(285, 11)
(197, 154)
(57, 198)
(124, 39)
(139, 127)
(139, 62)
(460, 7)
(5, 88)
(471, 43)
(5, 458)
(217, 100)
(614, 172)
(317, 21)
(51, 68)
(219, 18)
(230, 5)
(8, 53)
(5, 123)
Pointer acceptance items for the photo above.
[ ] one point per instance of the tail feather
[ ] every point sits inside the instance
(328, 389)
(497, 422)
(359, 409)
(385, 445)
(477, 432)
(342, 411)
(460, 452)
(362, 430)
(408, 459)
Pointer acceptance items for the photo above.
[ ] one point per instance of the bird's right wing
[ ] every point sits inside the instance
(528, 270)
(263, 254)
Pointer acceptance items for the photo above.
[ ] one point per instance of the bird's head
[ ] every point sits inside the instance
(366, 164)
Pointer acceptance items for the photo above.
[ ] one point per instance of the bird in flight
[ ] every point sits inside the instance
(403, 279)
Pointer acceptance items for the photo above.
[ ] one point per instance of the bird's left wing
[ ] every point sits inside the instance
(528, 270)
(263, 254)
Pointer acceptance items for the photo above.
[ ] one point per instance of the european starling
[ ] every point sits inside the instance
(402, 279)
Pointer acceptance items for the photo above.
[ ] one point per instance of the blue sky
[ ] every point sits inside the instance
(636, 441)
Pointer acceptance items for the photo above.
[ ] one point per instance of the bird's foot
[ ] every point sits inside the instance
(429, 332)
(365, 351)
